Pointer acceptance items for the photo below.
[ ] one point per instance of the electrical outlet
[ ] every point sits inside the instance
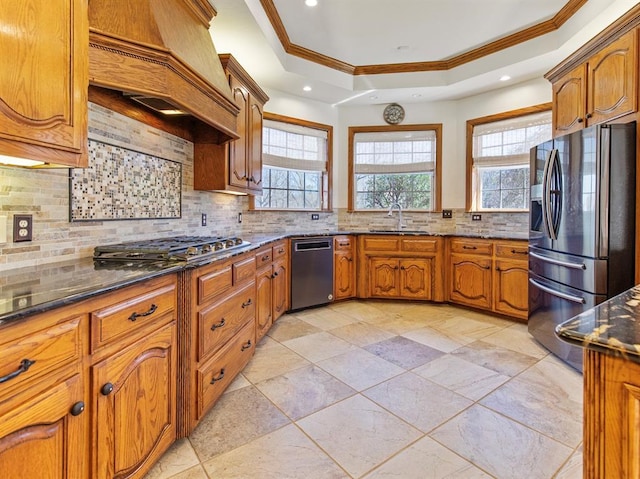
(447, 214)
(22, 228)
(204, 219)
(240, 217)
(476, 217)
(315, 216)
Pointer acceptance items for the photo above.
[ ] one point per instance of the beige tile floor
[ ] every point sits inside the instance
(390, 390)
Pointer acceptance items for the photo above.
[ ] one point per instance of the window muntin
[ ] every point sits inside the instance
(500, 160)
(394, 166)
(295, 171)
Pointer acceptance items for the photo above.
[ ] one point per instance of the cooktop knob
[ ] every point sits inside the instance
(192, 251)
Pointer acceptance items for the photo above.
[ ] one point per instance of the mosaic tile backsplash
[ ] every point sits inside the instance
(125, 184)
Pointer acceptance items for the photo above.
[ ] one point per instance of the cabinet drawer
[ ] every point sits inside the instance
(220, 321)
(279, 250)
(426, 245)
(244, 270)
(213, 283)
(263, 257)
(381, 243)
(471, 246)
(217, 373)
(512, 250)
(342, 243)
(39, 352)
(133, 313)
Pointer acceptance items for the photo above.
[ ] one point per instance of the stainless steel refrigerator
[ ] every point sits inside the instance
(581, 229)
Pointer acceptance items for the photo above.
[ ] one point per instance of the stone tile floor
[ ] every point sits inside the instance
(401, 390)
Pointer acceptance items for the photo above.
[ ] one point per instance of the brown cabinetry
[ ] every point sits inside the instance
(134, 370)
(44, 81)
(43, 423)
(400, 267)
(344, 270)
(599, 89)
(489, 274)
(272, 286)
(238, 166)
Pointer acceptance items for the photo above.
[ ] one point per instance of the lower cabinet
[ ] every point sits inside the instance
(272, 286)
(264, 298)
(400, 278)
(490, 274)
(344, 270)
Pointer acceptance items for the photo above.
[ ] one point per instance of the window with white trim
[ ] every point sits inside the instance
(295, 165)
(500, 160)
(395, 166)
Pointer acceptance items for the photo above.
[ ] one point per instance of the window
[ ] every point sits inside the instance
(498, 157)
(295, 164)
(397, 164)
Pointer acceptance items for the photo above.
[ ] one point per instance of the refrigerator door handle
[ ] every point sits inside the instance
(558, 262)
(546, 194)
(558, 294)
(548, 205)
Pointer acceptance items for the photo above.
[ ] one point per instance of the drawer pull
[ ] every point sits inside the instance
(106, 389)
(218, 325)
(515, 251)
(344, 244)
(246, 346)
(247, 303)
(135, 316)
(281, 250)
(265, 257)
(469, 247)
(25, 364)
(219, 377)
(77, 408)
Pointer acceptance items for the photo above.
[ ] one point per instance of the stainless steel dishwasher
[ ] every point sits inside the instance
(311, 271)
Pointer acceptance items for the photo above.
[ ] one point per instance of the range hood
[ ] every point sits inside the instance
(160, 53)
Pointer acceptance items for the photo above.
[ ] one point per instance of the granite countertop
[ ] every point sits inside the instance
(31, 290)
(612, 327)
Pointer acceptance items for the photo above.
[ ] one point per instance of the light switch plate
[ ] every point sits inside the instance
(22, 228)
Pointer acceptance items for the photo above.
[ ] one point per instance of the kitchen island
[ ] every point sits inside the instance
(610, 336)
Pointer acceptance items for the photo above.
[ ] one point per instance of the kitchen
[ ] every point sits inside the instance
(45, 193)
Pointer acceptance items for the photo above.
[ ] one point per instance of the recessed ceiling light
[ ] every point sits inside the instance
(505, 78)
(310, 3)
(306, 88)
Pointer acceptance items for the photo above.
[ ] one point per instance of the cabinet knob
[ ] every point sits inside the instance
(77, 408)
(395, 267)
(402, 268)
(106, 389)
(580, 120)
(589, 115)
(274, 275)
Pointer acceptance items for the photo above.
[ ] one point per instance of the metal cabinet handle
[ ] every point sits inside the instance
(25, 364)
(580, 120)
(247, 303)
(246, 346)
(589, 115)
(515, 251)
(469, 247)
(219, 377)
(151, 310)
(77, 408)
(265, 257)
(274, 275)
(218, 325)
(281, 250)
(106, 389)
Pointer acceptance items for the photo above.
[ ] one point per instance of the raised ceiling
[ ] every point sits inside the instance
(379, 51)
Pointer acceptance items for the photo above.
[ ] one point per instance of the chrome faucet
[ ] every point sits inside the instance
(397, 206)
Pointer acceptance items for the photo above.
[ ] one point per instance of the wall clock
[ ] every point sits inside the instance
(393, 114)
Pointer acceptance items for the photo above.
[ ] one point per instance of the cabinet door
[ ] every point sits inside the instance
(254, 159)
(344, 275)
(40, 437)
(383, 278)
(416, 278)
(238, 173)
(511, 287)
(264, 298)
(569, 101)
(44, 80)
(280, 289)
(135, 406)
(612, 90)
(470, 281)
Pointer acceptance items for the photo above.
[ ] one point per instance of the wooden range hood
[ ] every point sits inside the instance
(160, 53)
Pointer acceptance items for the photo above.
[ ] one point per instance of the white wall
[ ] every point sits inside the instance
(452, 114)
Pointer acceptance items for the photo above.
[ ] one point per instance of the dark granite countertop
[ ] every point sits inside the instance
(27, 291)
(612, 327)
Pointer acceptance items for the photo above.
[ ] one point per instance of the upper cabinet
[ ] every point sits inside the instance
(236, 167)
(600, 87)
(44, 82)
